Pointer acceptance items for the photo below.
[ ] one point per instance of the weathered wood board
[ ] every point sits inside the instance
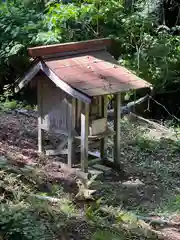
(55, 108)
(98, 126)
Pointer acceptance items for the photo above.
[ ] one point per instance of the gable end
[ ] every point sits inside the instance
(33, 71)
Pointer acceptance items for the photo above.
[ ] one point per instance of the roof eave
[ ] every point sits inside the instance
(28, 76)
(64, 86)
(32, 72)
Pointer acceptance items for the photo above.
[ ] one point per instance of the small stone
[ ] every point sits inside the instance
(3, 160)
(131, 183)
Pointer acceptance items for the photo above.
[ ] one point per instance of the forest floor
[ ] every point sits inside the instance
(143, 202)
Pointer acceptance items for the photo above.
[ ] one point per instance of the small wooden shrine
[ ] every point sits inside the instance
(73, 82)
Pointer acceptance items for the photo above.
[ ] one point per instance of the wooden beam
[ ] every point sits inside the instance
(40, 103)
(84, 138)
(59, 150)
(57, 131)
(68, 47)
(71, 126)
(63, 85)
(108, 133)
(28, 76)
(117, 129)
(103, 144)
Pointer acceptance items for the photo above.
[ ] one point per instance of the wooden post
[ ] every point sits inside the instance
(71, 128)
(78, 117)
(117, 124)
(40, 112)
(103, 146)
(100, 103)
(84, 137)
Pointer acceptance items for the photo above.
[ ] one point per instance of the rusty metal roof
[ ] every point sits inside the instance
(82, 69)
(95, 73)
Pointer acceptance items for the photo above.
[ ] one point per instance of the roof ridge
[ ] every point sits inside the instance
(40, 51)
(69, 54)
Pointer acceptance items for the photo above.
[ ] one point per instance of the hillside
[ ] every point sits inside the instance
(141, 203)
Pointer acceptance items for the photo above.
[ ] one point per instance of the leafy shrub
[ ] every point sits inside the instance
(19, 26)
(142, 46)
(9, 105)
(19, 223)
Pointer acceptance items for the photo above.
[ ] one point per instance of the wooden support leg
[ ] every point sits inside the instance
(78, 117)
(117, 123)
(84, 138)
(103, 146)
(72, 109)
(100, 102)
(40, 137)
(40, 131)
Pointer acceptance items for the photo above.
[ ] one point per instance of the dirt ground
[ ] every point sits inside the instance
(150, 185)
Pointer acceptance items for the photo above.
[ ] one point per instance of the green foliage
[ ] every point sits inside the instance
(19, 26)
(106, 235)
(7, 102)
(172, 205)
(18, 223)
(151, 53)
(155, 56)
(83, 21)
(9, 105)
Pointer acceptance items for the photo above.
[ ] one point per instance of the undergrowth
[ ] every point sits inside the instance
(116, 211)
(26, 213)
(6, 105)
